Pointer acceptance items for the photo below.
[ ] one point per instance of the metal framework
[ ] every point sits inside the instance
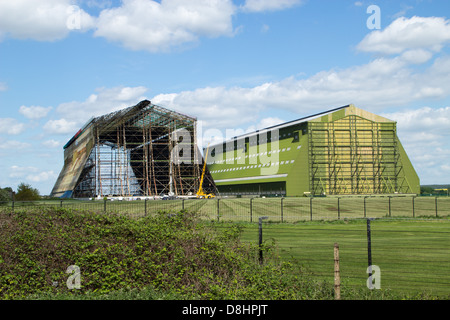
(143, 150)
(354, 155)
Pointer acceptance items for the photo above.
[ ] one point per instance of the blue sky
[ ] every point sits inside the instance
(235, 65)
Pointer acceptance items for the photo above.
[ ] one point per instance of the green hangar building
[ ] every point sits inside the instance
(343, 151)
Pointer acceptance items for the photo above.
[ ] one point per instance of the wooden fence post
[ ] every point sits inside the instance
(337, 276)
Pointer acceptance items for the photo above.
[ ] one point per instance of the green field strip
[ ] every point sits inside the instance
(413, 256)
(234, 209)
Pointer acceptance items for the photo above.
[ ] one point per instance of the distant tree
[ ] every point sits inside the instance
(26, 193)
(426, 190)
(5, 194)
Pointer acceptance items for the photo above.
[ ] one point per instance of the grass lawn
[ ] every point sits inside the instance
(413, 255)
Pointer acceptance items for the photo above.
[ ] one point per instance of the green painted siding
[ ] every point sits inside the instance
(298, 177)
(348, 151)
(259, 160)
(411, 177)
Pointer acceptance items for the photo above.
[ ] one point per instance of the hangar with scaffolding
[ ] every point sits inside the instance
(342, 151)
(143, 150)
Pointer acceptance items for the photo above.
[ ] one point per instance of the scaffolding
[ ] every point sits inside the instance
(354, 155)
(144, 150)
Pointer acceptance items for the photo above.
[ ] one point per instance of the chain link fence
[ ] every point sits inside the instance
(276, 209)
(412, 256)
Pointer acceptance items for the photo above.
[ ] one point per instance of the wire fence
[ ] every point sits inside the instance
(276, 209)
(412, 256)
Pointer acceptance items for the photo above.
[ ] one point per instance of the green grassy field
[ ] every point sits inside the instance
(413, 255)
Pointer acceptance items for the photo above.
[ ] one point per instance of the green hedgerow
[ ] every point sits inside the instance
(162, 256)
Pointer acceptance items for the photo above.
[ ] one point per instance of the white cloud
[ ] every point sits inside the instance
(34, 112)
(159, 26)
(378, 84)
(75, 113)
(105, 100)
(13, 145)
(43, 20)
(154, 26)
(265, 123)
(3, 86)
(52, 144)
(19, 172)
(416, 56)
(425, 135)
(226, 108)
(431, 121)
(61, 126)
(404, 34)
(42, 176)
(269, 122)
(30, 173)
(269, 5)
(11, 126)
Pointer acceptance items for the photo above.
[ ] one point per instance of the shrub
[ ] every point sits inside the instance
(27, 193)
(176, 256)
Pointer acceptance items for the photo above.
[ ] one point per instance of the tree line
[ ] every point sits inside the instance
(25, 192)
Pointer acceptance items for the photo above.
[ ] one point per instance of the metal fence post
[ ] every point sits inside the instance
(369, 252)
(436, 206)
(260, 239)
(145, 206)
(414, 214)
(339, 210)
(251, 210)
(104, 205)
(365, 206)
(389, 206)
(182, 204)
(218, 210)
(282, 209)
(310, 208)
